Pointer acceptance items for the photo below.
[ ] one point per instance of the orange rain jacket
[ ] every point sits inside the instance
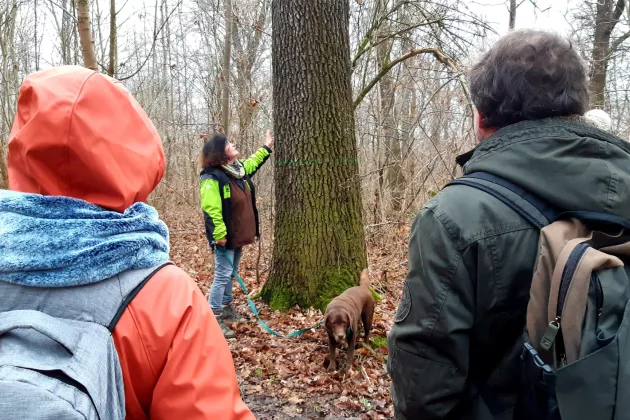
(81, 134)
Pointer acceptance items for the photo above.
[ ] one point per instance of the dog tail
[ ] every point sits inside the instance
(365, 278)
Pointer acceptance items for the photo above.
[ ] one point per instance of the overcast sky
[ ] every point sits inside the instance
(547, 14)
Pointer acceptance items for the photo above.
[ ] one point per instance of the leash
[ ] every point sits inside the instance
(252, 306)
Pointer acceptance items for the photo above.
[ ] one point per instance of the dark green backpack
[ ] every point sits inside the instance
(576, 347)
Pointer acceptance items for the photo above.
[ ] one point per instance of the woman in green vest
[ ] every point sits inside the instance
(228, 201)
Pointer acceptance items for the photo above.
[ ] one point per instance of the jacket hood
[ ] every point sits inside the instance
(566, 161)
(78, 133)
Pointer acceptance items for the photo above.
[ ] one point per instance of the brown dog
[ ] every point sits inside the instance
(342, 319)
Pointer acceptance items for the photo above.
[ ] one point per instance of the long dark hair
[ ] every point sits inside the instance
(213, 154)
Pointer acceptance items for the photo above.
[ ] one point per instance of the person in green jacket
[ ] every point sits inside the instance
(455, 345)
(228, 201)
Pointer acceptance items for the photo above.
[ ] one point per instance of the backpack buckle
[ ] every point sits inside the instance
(536, 369)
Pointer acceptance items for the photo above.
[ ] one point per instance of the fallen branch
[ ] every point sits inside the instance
(384, 224)
(372, 352)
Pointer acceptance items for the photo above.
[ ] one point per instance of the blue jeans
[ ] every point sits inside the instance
(221, 289)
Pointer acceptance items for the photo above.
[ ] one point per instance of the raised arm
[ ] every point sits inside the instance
(255, 161)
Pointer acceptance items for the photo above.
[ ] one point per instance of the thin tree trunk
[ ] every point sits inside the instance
(9, 85)
(608, 13)
(225, 106)
(319, 246)
(85, 34)
(65, 34)
(113, 42)
(75, 34)
(36, 41)
(244, 58)
(389, 129)
(512, 14)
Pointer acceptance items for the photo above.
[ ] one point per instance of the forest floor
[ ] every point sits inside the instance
(285, 378)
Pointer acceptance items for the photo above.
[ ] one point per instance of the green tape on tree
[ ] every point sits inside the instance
(313, 162)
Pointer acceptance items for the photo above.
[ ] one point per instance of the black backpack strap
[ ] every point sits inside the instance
(597, 219)
(531, 207)
(131, 296)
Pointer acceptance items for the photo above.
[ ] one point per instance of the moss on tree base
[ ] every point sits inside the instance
(322, 288)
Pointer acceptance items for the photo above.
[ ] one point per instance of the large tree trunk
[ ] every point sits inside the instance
(319, 247)
(85, 34)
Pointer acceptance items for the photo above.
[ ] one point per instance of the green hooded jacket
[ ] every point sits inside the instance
(455, 344)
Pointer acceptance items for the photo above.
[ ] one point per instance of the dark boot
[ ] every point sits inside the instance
(230, 315)
(227, 332)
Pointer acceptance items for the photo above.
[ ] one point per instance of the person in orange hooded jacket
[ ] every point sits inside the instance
(81, 134)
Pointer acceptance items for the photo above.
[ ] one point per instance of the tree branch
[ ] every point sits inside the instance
(438, 54)
(618, 11)
(617, 42)
(155, 37)
(366, 48)
(363, 47)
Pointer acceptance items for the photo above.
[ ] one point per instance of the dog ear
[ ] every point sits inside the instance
(328, 316)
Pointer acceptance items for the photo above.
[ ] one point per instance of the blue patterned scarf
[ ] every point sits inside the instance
(50, 241)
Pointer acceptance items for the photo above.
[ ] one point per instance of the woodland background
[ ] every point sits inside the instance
(200, 66)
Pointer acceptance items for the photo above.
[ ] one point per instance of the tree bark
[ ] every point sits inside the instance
(607, 16)
(113, 43)
(85, 34)
(225, 100)
(10, 84)
(319, 248)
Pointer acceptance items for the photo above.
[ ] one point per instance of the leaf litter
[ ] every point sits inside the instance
(287, 378)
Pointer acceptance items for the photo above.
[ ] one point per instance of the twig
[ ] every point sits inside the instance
(155, 37)
(365, 375)
(384, 223)
(166, 184)
(368, 348)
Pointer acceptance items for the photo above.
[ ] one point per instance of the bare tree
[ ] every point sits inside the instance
(608, 14)
(247, 45)
(8, 80)
(389, 130)
(226, 66)
(113, 41)
(85, 34)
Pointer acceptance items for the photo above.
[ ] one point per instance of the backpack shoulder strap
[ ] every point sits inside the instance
(528, 205)
(131, 278)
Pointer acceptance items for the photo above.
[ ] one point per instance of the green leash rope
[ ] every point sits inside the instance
(253, 306)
